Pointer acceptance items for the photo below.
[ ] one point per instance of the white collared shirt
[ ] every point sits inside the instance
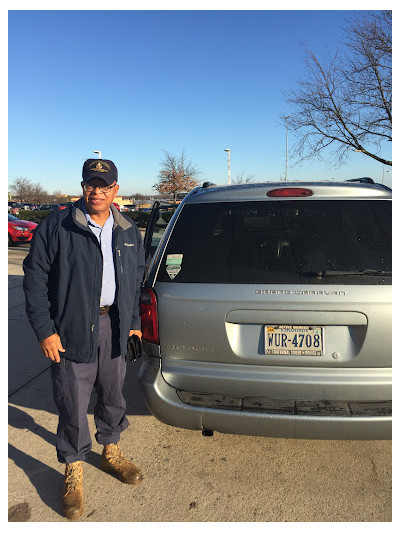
(104, 236)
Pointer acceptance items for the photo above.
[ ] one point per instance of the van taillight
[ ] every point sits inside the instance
(149, 316)
(287, 192)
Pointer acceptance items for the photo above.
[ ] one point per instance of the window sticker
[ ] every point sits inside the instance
(173, 270)
(174, 259)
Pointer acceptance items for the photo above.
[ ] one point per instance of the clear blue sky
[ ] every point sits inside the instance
(135, 83)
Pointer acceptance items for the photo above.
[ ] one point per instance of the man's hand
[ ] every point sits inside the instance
(51, 346)
(135, 332)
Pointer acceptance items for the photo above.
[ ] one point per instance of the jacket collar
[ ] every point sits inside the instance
(79, 218)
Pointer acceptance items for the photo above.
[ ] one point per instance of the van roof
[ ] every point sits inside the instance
(257, 191)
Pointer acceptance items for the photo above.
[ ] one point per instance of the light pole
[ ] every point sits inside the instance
(229, 164)
(287, 135)
(97, 152)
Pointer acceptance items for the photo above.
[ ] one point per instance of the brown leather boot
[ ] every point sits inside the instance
(72, 493)
(113, 462)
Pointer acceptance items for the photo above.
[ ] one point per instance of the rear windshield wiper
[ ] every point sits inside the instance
(333, 273)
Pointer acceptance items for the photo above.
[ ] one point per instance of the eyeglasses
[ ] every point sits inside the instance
(91, 188)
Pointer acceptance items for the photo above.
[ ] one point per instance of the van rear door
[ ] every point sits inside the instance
(278, 283)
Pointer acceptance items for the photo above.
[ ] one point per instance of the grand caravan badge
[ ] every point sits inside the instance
(285, 292)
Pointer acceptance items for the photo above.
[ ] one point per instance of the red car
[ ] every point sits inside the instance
(19, 230)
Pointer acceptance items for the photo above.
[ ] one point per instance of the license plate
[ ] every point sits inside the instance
(294, 340)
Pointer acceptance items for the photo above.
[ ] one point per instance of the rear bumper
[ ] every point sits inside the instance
(165, 403)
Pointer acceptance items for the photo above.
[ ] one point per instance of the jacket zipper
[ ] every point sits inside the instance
(116, 251)
(94, 306)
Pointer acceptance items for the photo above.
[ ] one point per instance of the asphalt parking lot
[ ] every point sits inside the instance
(187, 477)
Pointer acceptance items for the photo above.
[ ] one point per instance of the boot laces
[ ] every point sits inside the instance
(114, 455)
(72, 476)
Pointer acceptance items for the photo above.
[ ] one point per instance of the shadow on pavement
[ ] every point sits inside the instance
(21, 420)
(47, 482)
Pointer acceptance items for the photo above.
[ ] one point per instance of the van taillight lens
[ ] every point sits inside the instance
(149, 316)
(288, 192)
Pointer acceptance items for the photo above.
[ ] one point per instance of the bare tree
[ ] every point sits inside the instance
(176, 175)
(39, 194)
(241, 178)
(58, 198)
(139, 199)
(345, 102)
(26, 191)
(139, 196)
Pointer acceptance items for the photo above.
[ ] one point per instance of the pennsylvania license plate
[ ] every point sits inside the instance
(294, 340)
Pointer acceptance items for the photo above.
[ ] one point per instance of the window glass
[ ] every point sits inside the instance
(164, 216)
(309, 242)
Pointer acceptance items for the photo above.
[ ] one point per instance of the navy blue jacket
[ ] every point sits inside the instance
(63, 279)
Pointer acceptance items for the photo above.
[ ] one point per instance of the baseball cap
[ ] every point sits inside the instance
(99, 168)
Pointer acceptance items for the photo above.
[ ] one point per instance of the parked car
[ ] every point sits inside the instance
(13, 208)
(267, 311)
(128, 207)
(19, 230)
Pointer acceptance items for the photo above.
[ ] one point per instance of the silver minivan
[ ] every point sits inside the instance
(267, 310)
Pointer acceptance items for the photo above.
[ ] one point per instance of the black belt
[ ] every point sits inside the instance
(104, 309)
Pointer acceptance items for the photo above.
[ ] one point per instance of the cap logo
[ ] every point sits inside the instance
(98, 166)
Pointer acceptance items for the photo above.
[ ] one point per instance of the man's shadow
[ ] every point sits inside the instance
(46, 480)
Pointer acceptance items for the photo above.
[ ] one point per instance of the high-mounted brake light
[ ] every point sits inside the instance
(149, 316)
(288, 192)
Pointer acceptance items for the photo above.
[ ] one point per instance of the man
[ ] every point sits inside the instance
(82, 283)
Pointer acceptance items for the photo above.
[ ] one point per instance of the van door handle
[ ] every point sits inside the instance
(298, 318)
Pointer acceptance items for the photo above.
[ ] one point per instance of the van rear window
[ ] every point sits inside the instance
(297, 241)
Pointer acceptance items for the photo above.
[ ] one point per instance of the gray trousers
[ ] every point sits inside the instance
(72, 387)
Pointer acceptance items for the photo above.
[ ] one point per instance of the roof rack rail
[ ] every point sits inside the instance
(207, 184)
(362, 180)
